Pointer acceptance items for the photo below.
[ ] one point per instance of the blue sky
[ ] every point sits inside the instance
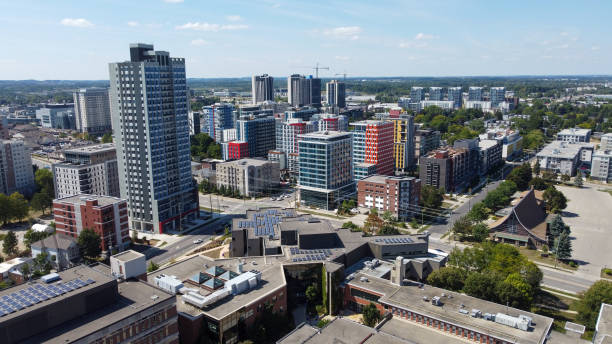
(65, 39)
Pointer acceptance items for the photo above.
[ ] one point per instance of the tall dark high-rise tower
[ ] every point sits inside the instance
(148, 97)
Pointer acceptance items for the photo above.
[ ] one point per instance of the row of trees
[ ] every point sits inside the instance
(490, 271)
(375, 225)
(206, 187)
(17, 208)
(559, 238)
(203, 147)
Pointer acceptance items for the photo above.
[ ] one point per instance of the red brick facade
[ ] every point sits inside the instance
(400, 196)
(73, 214)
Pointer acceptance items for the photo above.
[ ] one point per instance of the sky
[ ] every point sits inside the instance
(75, 40)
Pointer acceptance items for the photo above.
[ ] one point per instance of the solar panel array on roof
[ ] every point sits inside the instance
(310, 257)
(296, 251)
(394, 240)
(37, 293)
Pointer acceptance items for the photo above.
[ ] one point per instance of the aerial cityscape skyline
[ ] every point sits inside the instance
(287, 172)
(242, 38)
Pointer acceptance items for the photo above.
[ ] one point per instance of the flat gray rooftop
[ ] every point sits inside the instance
(415, 333)
(565, 150)
(83, 198)
(128, 255)
(410, 297)
(92, 149)
(272, 278)
(134, 297)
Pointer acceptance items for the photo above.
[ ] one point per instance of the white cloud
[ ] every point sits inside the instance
(174, 1)
(345, 32)
(76, 22)
(595, 47)
(199, 42)
(342, 58)
(234, 18)
(412, 44)
(423, 36)
(133, 23)
(211, 27)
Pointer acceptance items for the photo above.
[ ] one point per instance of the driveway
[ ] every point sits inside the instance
(588, 214)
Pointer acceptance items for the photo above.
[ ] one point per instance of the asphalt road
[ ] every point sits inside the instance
(463, 209)
(180, 247)
(565, 281)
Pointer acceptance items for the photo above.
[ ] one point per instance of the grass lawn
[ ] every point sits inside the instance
(536, 257)
(603, 273)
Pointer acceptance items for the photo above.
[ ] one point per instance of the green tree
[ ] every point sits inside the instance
(44, 181)
(480, 232)
(463, 226)
(373, 223)
(25, 271)
(515, 292)
(534, 139)
(89, 243)
(539, 183)
(449, 277)
(371, 315)
(578, 181)
(19, 206)
(479, 212)
(41, 202)
(431, 197)
(555, 200)
(31, 237)
(41, 264)
(387, 216)
(9, 244)
(107, 138)
(563, 246)
(565, 177)
(388, 229)
(521, 176)
(588, 307)
(482, 285)
(6, 209)
(152, 266)
(536, 168)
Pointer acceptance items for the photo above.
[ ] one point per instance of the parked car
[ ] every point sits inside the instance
(198, 241)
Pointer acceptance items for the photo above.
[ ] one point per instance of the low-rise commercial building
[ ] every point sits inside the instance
(398, 195)
(564, 157)
(87, 305)
(105, 215)
(87, 170)
(574, 135)
(603, 326)
(16, 172)
(250, 177)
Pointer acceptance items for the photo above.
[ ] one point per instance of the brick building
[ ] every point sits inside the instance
(398, 195)
(105, 215)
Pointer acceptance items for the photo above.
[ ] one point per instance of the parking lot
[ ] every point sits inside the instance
(588, 214)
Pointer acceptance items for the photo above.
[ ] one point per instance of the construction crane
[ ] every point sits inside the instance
(343, 75)
(316, 68)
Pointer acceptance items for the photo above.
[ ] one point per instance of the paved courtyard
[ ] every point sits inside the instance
(589, 214)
